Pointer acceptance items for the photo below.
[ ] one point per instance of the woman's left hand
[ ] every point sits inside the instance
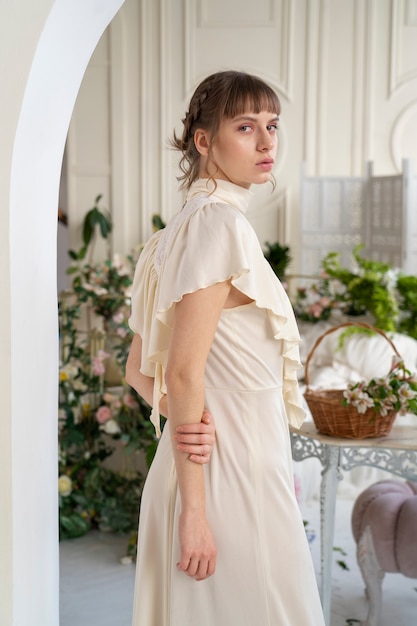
(197, 440)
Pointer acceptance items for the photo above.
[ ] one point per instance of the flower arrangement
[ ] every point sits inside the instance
(316, 302)
(384, 294)
(368, 288)
(104, 286)
(93, 419)
(396, 392)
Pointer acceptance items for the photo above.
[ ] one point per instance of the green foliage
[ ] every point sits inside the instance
(369, 289)
(96, 218)
(93, 418)
(279, 257)
(375, 289)
(157, 223)
(407, 290)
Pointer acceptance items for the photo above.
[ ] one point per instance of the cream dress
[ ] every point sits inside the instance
(264, 574)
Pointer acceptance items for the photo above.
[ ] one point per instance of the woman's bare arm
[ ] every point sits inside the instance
(195, 440)
(195, 323)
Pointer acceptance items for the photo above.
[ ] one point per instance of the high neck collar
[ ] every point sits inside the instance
(222, 190)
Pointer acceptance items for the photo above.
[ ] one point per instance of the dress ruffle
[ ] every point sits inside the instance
(208, 242)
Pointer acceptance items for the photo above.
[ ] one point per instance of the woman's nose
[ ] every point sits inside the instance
(266, 141)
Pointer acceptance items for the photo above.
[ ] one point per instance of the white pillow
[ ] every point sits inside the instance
(371, 355)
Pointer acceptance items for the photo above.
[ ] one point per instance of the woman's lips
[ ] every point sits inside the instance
(266, 164)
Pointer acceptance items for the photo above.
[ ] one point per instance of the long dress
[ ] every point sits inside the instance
(264, 574)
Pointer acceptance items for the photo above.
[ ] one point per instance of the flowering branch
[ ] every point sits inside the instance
(395, 392)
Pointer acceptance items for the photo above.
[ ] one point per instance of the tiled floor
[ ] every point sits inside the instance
(97, 590)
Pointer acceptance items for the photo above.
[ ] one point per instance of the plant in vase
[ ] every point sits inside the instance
(279, 258)
(369, 288)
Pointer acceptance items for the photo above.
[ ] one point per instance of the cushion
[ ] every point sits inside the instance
(389, 508)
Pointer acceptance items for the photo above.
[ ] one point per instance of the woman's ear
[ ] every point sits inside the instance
(202, 141)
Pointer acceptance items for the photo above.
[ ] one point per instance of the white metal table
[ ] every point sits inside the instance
(395, 453)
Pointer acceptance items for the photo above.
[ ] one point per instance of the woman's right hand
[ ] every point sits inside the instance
(197, 440)
(198, 548)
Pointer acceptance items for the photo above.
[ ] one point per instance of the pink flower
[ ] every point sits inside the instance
(325, 301)
(315, 309)
(118, 318)
(130, 401)
(121, 332)
(98, 366)
(103, 414)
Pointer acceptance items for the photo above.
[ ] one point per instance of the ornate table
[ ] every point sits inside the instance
(395, 453)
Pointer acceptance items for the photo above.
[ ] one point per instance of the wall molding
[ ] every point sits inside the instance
(397, 133)
(281, 18)
(403, 15)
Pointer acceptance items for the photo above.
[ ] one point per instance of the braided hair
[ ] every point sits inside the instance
(222, 95)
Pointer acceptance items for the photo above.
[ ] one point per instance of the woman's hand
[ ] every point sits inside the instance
(197, 440)
(198, 548)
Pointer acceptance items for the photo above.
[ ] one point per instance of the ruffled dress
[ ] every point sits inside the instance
(264, 574)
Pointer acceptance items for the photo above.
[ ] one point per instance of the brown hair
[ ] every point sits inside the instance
(224, 94)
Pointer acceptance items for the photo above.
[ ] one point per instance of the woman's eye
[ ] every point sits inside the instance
(273, 127)
(245, 128)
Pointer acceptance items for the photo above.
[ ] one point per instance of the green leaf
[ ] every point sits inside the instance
(73, 525)
(157, 222)
(88, 230)
(105, 224)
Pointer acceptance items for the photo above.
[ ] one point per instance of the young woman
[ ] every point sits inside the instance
(220, 543)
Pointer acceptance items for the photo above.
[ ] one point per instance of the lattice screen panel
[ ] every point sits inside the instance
(337, 213)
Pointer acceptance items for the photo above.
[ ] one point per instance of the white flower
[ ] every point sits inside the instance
(126, 560)
(61, 458)
(64, 485)
(62, 414)
(406, 393)
(391, 277)
(363, 404)
(100, 291)
(111, 427)
(68, 372)
(78, 385)
(384, 409)
(121, 265)
(109, 397)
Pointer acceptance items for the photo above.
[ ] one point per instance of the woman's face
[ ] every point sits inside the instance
(244, 149)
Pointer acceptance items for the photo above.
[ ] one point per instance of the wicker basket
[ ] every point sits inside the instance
(334, 419)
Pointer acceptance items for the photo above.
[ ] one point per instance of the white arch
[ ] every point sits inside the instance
(38, 109)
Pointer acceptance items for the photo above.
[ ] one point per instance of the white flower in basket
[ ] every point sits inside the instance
(364, 409)
(395, 392)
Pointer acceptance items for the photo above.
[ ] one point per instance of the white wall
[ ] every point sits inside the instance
(346, 72)
(44, 49)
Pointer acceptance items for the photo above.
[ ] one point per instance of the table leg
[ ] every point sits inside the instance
(328, 489)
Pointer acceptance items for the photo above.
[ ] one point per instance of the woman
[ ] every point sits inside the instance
(215, 331)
